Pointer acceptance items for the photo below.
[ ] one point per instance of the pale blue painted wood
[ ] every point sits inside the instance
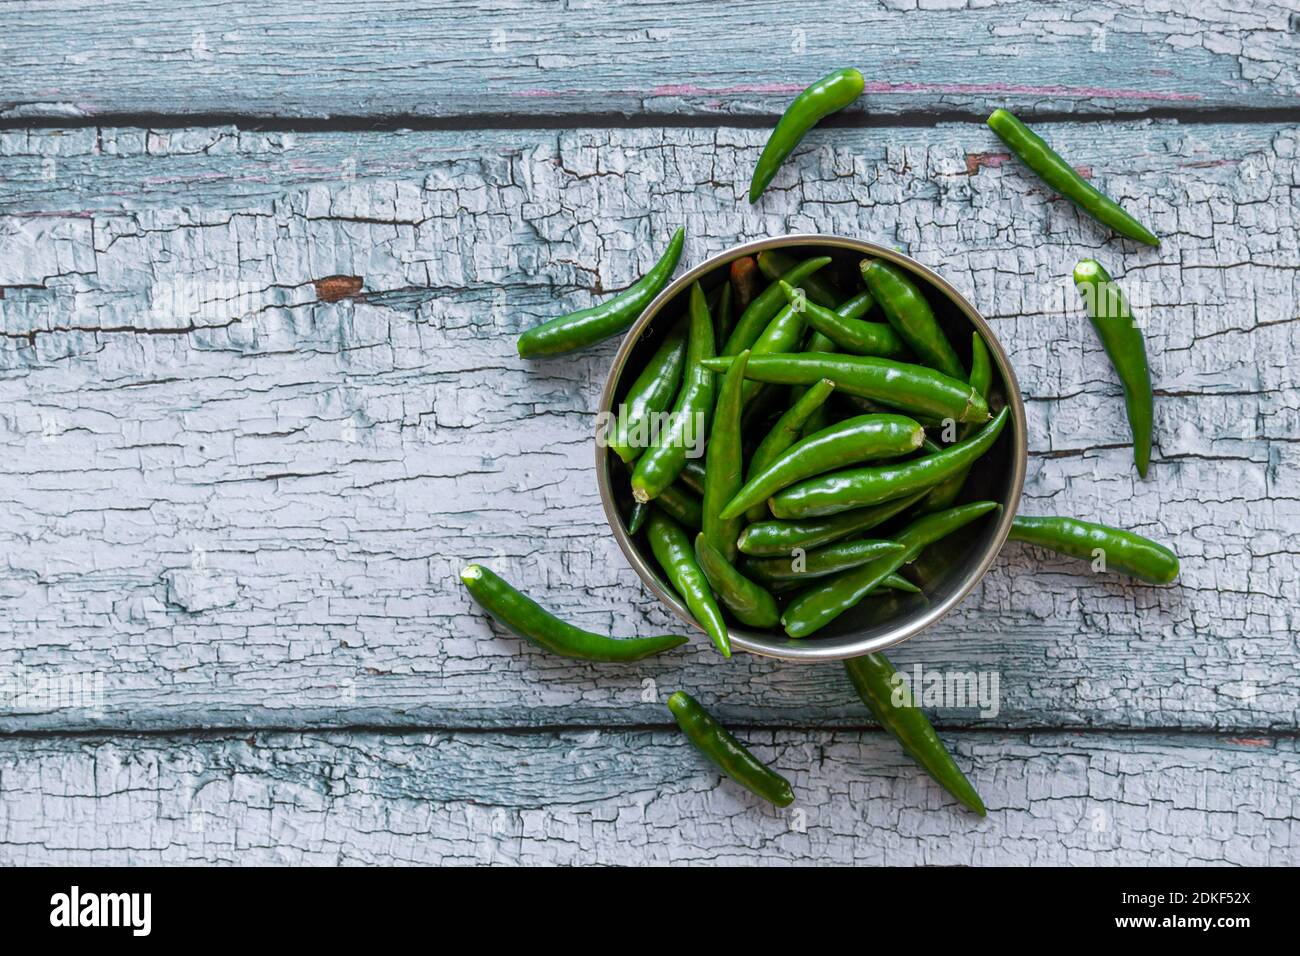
(517, 58)
(249, 520)
(258, 522)
(631, 798)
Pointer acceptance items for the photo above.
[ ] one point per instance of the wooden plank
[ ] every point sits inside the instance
(641, 797)
(238, 505)
(501, 60)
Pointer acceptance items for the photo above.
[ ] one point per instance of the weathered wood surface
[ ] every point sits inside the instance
(237, 505)
(464, 62)
(641, 797)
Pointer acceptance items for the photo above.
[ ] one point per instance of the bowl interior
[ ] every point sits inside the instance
(945, 571)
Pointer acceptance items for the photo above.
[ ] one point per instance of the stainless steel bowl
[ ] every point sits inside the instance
(949, 571)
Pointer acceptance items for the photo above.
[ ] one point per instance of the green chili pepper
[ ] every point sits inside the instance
(534, 623)
(1060, 175)
(821, 417)
(636, 517)
(843, 326)
(724, 462)
(751, 603)
(821, 603)
(854, 335)
(896, 582)
(722, 314)
(681, 505)
(1118, 550)
(862, 438)
(944, 494)
(692, 475)
(1122, 339)
(777, 538)
(981, 365)
(651, 393)
(727, 753)
(785, 433)
(892, 582)
(874, 679)
(672, 549)
(663, 462)
(782, 334)
(766, 305)
(579, 329)
(831, 93)
(801, 566)
(851, 309)
(914, 389)
(909, 312)
(872, 485)
(775, 264)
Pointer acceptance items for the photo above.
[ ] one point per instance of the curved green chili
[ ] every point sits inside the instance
(909, 312)
(1060, 175)
(803, 566)
(751, 603)
(821, 603)
(660, 465)
(651, 393)
(831, 93)
(777, 538)
(785, 433)
(1117, 549)
(854, 335)
(673, 550)
(727, 753)
(866, 338)
(896, 582)
(861, 438)
(766, 305)
(724, 462)
(874, 679)
(534, 623)
(1122, 339)
(849, 310)
(945, 493)
(874, 484)
(579, 329)
(915, 389)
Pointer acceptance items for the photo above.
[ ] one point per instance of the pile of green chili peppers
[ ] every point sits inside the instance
(839, 424)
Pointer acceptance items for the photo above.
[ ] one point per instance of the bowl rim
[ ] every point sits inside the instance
(811, 649)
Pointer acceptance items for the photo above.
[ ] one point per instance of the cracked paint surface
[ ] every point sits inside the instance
(514, 58)
(259, 402)
(246, 506)
(640, 797)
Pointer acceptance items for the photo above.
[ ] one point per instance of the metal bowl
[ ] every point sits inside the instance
(947, 572)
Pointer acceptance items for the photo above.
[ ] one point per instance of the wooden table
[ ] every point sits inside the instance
(230, 625)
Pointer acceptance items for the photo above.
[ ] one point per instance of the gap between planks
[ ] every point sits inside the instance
(915, 119)
(218, 732)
